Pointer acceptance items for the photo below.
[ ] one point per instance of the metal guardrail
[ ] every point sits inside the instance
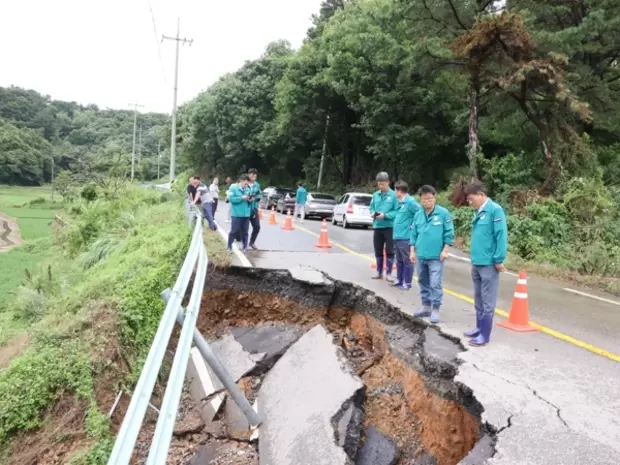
(196, 259)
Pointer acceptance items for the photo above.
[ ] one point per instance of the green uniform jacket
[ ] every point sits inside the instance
(384, 203)
(407, 208)
(432, 232)
(254, 189)
(489, 236)
(240, 207)
(301, 196)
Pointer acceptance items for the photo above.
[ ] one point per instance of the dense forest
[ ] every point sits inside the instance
(525, 97)
(83, 141)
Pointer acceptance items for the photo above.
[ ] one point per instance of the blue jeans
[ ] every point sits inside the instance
(404, 267)
(430, 279)
(207, 208)
(486, 287)
(239, 224)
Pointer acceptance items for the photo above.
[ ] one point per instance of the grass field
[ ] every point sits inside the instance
(31, 208)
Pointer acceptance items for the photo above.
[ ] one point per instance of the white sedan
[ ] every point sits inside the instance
(353, 209)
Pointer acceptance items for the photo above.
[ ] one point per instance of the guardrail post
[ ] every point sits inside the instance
(218, 368)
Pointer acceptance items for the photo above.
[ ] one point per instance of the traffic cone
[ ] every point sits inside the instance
(374, 265)
(272, 217)
(519, 317)
(260, 215)
(288, 222)
(323, 239)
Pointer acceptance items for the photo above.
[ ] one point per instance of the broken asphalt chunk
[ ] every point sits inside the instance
(299, 398)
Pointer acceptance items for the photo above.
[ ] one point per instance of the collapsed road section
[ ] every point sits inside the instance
(338, 375)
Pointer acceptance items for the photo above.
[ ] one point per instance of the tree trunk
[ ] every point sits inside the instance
(473, 147)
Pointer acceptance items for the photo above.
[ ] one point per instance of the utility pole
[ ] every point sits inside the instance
(133, 146)
(173, 141)
(324, 150)
(158, 157)
(52, 158)
(140, 145)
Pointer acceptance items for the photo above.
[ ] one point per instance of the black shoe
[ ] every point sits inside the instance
(377, 276)
(253, 247)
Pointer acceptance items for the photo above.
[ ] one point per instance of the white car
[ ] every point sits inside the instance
(353, 209)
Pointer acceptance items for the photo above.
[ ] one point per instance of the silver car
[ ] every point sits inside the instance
(320, 205)
(353, 209)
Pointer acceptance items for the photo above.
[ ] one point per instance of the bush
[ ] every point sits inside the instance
(89, 192)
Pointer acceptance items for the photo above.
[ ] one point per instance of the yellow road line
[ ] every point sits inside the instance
(458, 295)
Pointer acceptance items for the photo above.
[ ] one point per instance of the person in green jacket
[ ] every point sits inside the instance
(301, 197)
(431, 236)
(255, 195)
(407, 209)
(240, 204)
(383, 208)
(489, 246)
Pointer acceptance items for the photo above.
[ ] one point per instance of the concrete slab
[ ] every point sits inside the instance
(204, 455)
(270, 339)
(308, 275)
(202, 385)
(378, 449)
(237, 361)
(237, 426)
(299, 399)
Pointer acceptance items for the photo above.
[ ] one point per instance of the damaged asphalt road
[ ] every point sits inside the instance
(397, 376)
(519, 425)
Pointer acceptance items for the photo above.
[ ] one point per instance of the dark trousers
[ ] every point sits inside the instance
(404, 267)
(255, 222)
(239, 225)
(383, 239)
(214, 207)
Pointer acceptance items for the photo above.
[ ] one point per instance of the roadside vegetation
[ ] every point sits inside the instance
(79, 318)
(437, 92)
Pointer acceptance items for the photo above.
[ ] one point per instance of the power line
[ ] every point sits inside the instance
(161, 61)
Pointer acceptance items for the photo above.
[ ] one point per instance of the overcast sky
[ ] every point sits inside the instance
(105, 51)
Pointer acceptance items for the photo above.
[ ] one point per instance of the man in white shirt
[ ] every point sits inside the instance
(214, 189)
(202, 191)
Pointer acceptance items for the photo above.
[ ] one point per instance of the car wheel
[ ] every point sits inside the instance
(334, 222)
(345, 223)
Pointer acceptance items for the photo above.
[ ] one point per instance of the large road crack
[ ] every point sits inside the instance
(534, 392)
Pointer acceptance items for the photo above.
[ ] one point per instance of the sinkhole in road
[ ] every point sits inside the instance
(408, 410)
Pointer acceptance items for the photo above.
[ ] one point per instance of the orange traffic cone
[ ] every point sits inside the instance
(323, 239)
(519, 317)
(374, 265)
(260, 215)
(272, 216)
(288, 222)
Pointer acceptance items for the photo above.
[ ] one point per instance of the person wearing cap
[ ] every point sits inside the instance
(383, 208)
(407, 209)
(431, 237)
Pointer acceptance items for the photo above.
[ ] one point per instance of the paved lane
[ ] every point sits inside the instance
(578, 317)
(555, 403)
